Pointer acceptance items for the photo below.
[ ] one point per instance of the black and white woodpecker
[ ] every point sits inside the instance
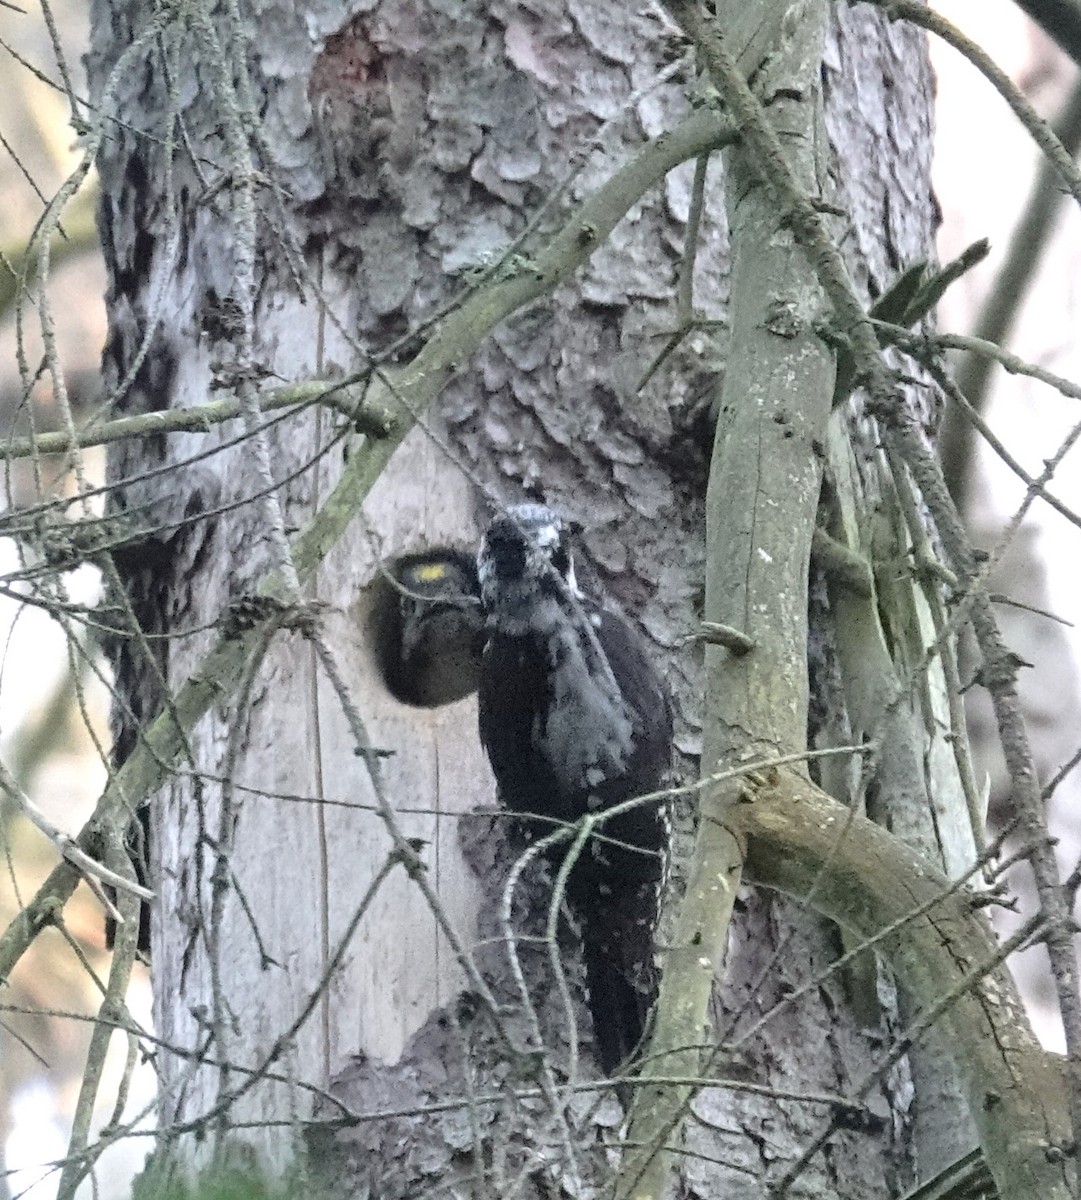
(575, 719)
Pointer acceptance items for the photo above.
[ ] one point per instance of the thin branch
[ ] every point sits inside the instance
(237, 115)
(975, 802)
(18, 269)
(930, 1017)
(65, 844)
(79, 1158)
(685, 294)
(918, 344)
(543, 1068)
(1039, 130)
(972, 415)
(948, 959)
(346, 397)
(999, 676)
(1009, 288)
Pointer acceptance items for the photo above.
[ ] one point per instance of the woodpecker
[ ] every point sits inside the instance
(575, 719)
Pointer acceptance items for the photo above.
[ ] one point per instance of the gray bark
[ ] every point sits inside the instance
(411, 144)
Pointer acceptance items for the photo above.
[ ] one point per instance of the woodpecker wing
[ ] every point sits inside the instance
(616, 892)
(645, 694)
(534, 708)
(514, 697)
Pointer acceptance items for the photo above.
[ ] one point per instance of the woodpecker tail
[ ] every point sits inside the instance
(617, 918)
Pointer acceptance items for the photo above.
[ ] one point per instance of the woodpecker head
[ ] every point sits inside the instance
(525, 556)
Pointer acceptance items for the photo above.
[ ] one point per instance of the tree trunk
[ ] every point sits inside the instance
(399, 151)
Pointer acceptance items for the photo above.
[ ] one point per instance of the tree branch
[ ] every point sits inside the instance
(1042, 133)
(346, 396)
(787, 192)
(63, 843)
(868, 880)
(78, 235)
(1005, 295)
(902, 432)
(756, 578)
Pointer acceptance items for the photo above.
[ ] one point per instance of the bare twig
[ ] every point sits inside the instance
(1039, 130)
(719, 634)
(66, 846)
(346, 396)
(1008, 289)
(79, 1160)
